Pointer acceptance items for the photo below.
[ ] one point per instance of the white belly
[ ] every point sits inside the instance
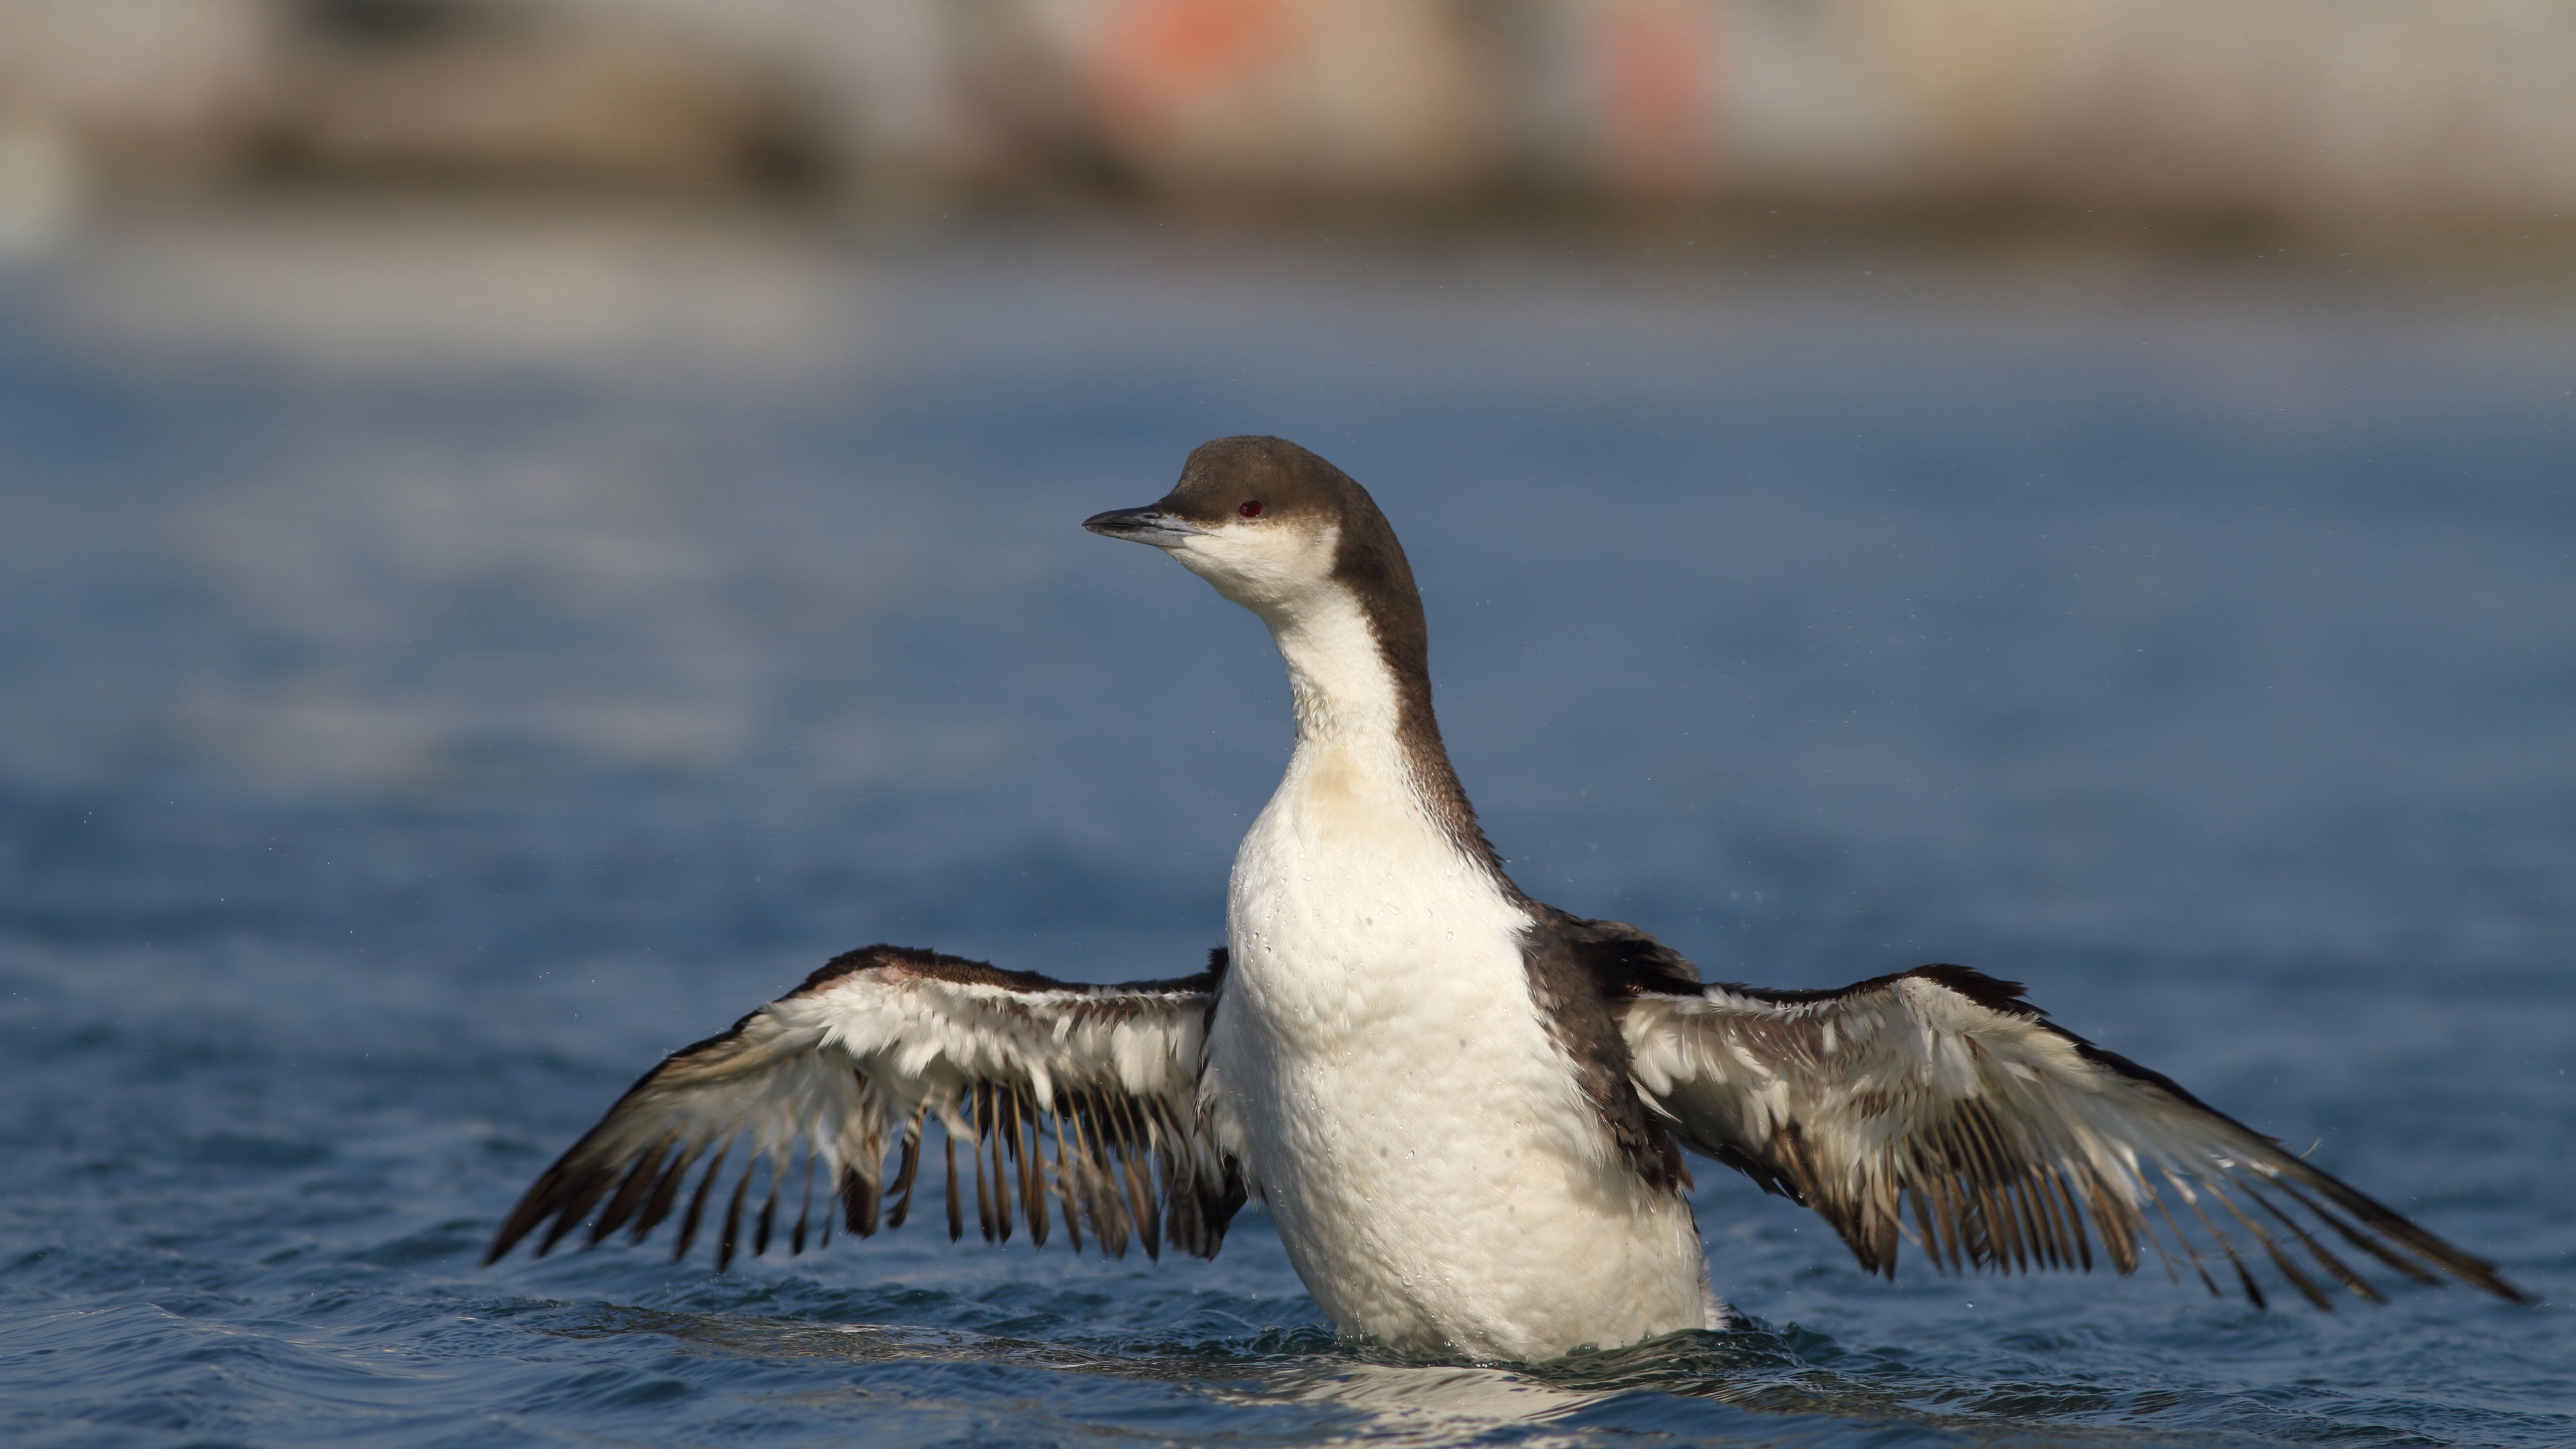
(1438, 1179)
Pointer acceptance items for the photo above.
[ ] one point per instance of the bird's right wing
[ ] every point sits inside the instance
(821, 1084)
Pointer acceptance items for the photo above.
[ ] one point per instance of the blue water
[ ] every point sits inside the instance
(451, 660)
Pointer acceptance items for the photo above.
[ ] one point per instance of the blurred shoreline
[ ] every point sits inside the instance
(1622, 126)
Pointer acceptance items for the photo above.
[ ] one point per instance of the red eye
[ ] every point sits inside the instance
(1251, 508)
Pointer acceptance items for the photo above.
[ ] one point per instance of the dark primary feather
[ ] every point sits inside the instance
(1081, 1149)
(1937, 1105)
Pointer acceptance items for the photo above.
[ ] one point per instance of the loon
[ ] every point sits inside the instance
(1465, 1109)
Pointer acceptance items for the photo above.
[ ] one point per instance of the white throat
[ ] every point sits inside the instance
(1339, 684)
(1344, 693)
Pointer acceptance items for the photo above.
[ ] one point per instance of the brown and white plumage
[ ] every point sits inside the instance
(812, 1094)
(1937, 1105)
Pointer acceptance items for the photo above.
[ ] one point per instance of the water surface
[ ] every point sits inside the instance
(451, 659)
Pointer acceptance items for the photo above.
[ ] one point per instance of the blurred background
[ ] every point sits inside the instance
(424, 403)
(526, 525)
(2445, 117)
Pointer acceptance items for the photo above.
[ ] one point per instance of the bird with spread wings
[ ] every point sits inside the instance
(1934, 1106)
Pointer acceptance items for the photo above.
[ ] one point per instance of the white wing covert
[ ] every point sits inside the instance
(2003, 1133)
(822, 1084)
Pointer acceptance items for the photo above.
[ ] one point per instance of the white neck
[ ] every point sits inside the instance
(1338, 678)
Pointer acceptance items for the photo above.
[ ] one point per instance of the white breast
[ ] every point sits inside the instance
(1436, 1174)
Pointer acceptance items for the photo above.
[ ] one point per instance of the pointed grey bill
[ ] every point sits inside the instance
(1143, 525)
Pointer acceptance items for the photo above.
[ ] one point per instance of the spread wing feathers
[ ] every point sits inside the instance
(1067, 1099)
(2003, 1134)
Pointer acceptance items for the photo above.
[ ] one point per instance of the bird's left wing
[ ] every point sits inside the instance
(2003, 1132)
(1086, 1095)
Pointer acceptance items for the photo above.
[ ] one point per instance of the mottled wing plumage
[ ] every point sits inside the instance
(1072, 1103)
(1937, 1105)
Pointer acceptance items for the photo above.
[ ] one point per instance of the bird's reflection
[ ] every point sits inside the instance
(1432, 1401)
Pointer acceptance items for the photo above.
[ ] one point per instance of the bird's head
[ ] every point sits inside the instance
(1272, 526)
